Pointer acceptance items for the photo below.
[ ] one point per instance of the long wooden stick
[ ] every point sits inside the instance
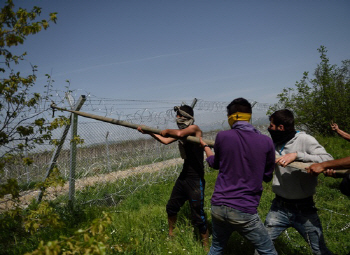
(192, 139)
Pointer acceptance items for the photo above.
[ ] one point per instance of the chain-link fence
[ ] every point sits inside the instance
(112, 161)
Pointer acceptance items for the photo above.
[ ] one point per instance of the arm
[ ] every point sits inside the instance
(270, 164)
(311, 151)
(286, 159)
(328, 165)
(207, 149)
(212, 159)
(307, 150)
(192, 130)
(159, 138)
(340, 132)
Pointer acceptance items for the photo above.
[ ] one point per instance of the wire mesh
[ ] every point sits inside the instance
(111, 153)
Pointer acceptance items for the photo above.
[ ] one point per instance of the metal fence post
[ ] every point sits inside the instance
(253, 104)
(58, 150)
(194, 102)
(107, 153)
(73, 146)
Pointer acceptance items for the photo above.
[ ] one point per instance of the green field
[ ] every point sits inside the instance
(139, 222)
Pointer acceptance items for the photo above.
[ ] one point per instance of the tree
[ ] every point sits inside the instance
(21, 122)
(22, 125)
(318, 101)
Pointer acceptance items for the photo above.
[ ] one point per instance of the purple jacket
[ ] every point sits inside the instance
(245, 158)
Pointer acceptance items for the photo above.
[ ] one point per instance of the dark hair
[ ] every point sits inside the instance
(283, 117)
(186, 108)
(239, 105)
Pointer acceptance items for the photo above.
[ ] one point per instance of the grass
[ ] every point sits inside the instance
(139, 224)
(141, 227)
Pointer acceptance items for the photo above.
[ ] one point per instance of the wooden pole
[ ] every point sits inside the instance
(192, 139)
(302, 166)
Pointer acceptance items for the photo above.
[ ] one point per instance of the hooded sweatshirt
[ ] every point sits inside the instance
(292, 183)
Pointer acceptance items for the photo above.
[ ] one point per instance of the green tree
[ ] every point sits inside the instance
(318, 101)
(21, 123)
(22, 127)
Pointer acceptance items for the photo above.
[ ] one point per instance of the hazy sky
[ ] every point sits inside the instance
(181, 49)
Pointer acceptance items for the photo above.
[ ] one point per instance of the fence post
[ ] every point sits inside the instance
(194, 102)
(107, 153)
(251, 119)
(57, 152)
(73, 146)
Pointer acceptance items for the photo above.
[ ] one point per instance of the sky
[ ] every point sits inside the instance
(214, 50)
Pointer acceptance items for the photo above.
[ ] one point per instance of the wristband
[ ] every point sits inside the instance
(205, 146)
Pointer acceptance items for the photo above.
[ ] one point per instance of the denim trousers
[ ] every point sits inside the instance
(225, 220)
(302, 217)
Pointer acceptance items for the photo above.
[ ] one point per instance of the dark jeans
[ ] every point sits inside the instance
(301, 215)
(225, 220)
(193, 191)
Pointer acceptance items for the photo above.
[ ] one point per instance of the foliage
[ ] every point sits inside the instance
(91, 240)
(17, 223)
(21, 123)
(54, 180)
(43, 217)
(318, 101)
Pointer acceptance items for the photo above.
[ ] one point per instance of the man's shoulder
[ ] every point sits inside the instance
(302, 135)
(226, 132)
(193, 129)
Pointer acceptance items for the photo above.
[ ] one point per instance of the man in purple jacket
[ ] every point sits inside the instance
(245, 158)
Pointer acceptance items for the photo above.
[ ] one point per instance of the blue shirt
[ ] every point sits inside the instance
(245, 158)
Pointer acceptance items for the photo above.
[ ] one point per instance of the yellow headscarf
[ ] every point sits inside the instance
(232, 119)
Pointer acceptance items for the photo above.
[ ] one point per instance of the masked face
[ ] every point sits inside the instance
(183, 122)
(183, 119)
(279, 135)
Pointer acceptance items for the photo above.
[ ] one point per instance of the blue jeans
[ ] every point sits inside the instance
(302, 217)
(225, 220)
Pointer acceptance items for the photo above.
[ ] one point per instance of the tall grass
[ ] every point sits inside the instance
(140, 225)
(143, 228)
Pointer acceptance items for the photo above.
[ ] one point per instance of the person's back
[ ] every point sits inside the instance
(242, 156)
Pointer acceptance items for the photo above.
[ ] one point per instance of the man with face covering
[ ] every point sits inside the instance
(245, 158)
(293, 205)
(190, 184)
